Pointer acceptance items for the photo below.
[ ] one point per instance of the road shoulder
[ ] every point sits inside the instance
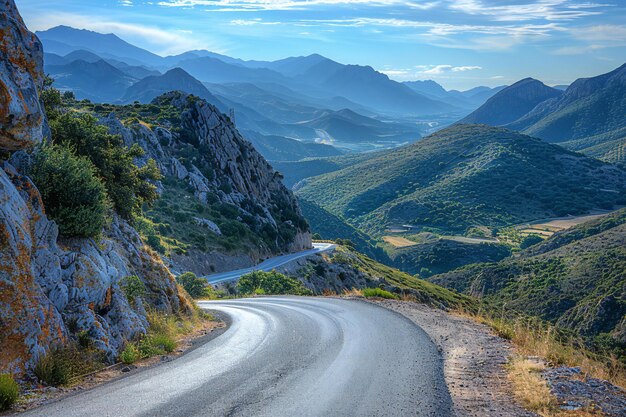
(474, 360)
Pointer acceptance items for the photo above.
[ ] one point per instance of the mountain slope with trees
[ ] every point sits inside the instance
(575, 279)
(464, 176)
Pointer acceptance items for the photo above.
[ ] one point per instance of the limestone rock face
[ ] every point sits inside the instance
(224, 168)
(51, 289)
(21, 75)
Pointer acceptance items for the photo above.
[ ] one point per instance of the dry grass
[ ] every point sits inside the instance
(354, 292)
(534, 338)
(399, 242)
(532, 391)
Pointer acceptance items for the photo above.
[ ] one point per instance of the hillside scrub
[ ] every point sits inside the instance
(71, 191)
(196, 287)
(261, 282)
(378, 293)
(466, 176)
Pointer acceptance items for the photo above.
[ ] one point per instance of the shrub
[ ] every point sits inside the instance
(53, 369)
(130, 354)
(9, 391)
(133, 287)
(127, 184)
(530, 240)
(156, 344)
(195, 287)
(378, 292)
(71, 191)
(261, 282)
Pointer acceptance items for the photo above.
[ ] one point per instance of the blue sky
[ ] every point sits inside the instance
(458, 43)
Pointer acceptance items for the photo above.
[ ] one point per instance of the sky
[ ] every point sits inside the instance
(458, 43)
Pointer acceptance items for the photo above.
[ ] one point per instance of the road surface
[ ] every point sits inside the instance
(285, 357)
(269, 264)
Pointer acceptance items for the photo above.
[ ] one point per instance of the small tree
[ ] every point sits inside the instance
(195, 287)
(530, 240)
(72, 193)
(133, 287)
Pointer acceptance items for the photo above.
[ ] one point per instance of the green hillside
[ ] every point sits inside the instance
(576, 279)
(464, 176)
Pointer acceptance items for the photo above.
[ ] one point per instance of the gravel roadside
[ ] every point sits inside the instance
(474, 360)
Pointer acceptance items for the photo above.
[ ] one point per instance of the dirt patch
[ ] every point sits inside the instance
(474, 360)
(399, 242)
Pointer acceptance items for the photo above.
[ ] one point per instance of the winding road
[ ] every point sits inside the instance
(285, 356)
(269, 264)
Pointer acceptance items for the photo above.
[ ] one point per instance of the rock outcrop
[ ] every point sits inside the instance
(51, 289)
(21, 75)
(220, 166)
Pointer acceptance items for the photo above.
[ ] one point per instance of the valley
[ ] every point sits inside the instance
(368, 241)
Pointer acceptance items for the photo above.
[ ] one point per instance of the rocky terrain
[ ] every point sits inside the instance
(54, 288)
(51, 289)
(202, 155)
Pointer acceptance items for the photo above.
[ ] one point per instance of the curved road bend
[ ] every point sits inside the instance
(269, 264)
(285, 356)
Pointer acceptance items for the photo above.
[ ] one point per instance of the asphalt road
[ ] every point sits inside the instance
(269, 264)
(285, 356)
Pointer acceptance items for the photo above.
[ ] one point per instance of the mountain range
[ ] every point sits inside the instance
(306, 98)
(587, 116)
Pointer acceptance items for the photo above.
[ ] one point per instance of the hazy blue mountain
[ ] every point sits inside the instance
(97, 81)
(53, 59)
(83, 55)
(512, 102)
(107, 46)
(428, 87)
(291, 66)
(176, 79)
(371, 88)
(348, 126)
(280, 148)
(135, 71)
(213, 70)
(561, 87)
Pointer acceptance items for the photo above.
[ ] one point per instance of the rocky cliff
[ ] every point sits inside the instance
(199, 151)
(50, 290)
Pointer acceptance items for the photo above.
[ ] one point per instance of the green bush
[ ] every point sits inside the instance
(530, 240)
(130, 354)
(71, 191)
(127, 185)
(378, 292)
(156, 344)
(133, 287)
(9, 391)
(195, 287)
(53, 369)
(261, 282)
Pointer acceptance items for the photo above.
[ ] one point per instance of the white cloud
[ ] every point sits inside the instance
(162, 41)
(538, 10)
(441, 69)
(594, 38)
(244, 5)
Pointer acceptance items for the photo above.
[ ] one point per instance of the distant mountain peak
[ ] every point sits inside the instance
(512, 102)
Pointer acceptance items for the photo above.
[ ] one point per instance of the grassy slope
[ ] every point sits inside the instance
(464, 176)
(422, 290)
(576, 279)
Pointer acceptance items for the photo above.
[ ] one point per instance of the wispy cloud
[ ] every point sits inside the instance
(163, 41)
(258, 5)
(594, 38)
(442, 69)
(525, 11)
